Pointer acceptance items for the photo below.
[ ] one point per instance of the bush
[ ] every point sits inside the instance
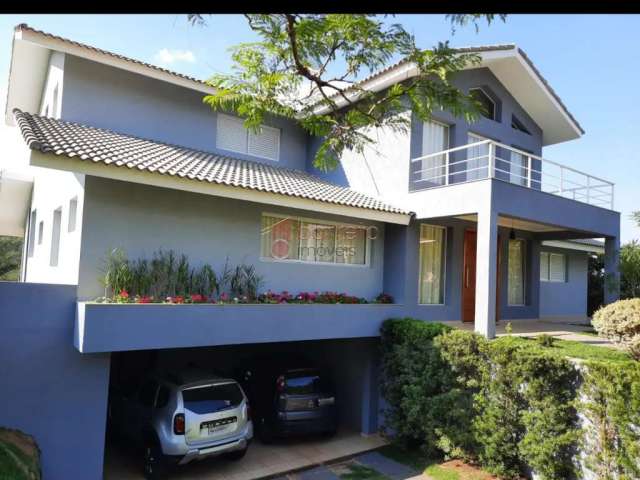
(620, 322)
(19, 456)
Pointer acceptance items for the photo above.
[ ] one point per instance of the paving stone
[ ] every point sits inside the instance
(386, 466)
(317, 473)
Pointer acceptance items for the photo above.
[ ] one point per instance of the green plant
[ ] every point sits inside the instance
(116, 273)
(630, 270)
(244, 283)
(508, 328)
(610, 401)
(545, 340)
(620, 322)
(10, 258)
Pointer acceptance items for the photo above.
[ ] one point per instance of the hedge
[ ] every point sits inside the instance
(512, 407)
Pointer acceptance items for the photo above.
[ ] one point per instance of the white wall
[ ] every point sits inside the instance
(52, 190)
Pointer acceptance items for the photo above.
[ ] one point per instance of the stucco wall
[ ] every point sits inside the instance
(141, 219)
(125, 102)
(49, 389)
(566, 299)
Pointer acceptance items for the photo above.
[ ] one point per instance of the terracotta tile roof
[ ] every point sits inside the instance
(98, 145)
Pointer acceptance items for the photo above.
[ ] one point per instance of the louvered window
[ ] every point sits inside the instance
(553, 267)
(233, 136)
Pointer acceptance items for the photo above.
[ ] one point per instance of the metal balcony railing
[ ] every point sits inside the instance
(489, 159)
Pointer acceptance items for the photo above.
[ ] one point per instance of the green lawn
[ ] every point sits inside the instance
(583, 351)
(360, 472)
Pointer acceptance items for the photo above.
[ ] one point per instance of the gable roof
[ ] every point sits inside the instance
(507, 62)
(108, 148)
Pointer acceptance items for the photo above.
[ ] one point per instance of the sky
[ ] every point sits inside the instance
(591, 61)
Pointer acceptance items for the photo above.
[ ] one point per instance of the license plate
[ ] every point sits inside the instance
(217, 426)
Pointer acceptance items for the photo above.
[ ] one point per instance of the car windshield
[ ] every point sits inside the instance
(302, 383)
(212, 398)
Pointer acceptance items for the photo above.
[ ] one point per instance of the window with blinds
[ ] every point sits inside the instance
(232, 135)
(553, 267)
(432, 264)
(313, 241)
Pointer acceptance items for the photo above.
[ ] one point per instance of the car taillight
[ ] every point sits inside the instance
(178, 424)
(280, 383)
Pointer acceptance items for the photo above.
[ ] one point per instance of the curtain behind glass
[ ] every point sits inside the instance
(518, 169)
(317, 242)
(432, 264)
(279, 238)
(350, 245)
(516, 272)
(435, 138)
(477, 158)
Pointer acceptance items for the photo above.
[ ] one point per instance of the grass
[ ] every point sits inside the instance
(438, 473)
(584, 351)
(360, 472)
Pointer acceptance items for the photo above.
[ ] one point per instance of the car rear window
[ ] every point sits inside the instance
(212, 398)
(304, 383)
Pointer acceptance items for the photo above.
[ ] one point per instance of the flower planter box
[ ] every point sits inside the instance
(102, 327)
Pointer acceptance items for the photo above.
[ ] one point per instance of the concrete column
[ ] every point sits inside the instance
(486, 271)
(611, 269)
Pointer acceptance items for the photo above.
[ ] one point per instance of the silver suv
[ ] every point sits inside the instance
(181, 417)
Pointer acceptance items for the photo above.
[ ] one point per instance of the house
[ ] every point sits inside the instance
(458, 222)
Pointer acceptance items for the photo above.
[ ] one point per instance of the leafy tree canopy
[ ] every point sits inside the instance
(306, 67)
(10, 257)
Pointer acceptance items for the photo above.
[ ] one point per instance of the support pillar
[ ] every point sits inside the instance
(486, 272)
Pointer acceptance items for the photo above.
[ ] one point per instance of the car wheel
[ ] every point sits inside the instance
(236, 454)
(153, 461)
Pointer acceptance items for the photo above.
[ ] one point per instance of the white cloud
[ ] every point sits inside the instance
(168, 56)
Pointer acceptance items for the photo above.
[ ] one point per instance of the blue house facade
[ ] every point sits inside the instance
(457, 222)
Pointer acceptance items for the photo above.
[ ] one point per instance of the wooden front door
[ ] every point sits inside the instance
(469, 277)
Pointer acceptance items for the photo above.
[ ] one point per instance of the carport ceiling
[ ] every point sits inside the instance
(517, 224)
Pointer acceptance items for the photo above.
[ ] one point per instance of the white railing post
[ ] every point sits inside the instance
(492, 160)
(561, 179)
(529, 172)
(446, 168)
(588, 189)
(611, 196)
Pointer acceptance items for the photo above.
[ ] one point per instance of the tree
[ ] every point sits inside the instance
(595, 283)
(630, 270)
(10, 258)
(307, 67)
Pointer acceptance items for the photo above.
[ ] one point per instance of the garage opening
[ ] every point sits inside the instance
(311, 379)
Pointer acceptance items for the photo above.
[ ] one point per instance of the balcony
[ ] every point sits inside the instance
(490, 159)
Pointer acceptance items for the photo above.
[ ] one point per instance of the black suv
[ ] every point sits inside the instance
(289, 396)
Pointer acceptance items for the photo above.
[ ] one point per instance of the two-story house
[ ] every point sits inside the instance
(458, 222)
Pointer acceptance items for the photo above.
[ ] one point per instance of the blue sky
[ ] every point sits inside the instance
(591, 61)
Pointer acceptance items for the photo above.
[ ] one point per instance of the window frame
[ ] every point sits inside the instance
(493, 102)
(565, 276)
(239, 120)
(368, 241)
(524, 272)
(444, 266)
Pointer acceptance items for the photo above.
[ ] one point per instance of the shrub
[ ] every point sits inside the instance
(545, 340)
(620, 322)
(611, 404)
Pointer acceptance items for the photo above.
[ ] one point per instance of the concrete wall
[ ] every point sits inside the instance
(566, 299)
(142, 219)
(125, 102)
(49, 389)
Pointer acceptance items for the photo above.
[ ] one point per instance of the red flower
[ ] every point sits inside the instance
(144, 299)
(198, 298)
(123, 293)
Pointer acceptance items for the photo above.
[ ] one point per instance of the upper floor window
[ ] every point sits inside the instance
(32, 233)
(488, 105)
(553, 267)
(288, 238)
(435, 138)
(55, 237)
(518, 125)
(232, 135)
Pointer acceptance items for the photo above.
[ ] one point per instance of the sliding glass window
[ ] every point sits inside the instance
(432, 264)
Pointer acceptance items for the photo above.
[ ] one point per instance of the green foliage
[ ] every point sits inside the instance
(620, 322)
(19, 456)
(595, 286)
(630, 270)
(306, 68)
(506, 403)
(245, 282)
(10, 258)
(545, 340)
(611, 404)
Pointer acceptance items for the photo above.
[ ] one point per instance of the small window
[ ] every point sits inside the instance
(518, 125)
(553, 267)
(32, 233)
(73, 211)
(55, 237)
(432, 264)
(516, 272)
(212, 398)
(315, 241)
(487, 103)
(232, 135)
(40, 232)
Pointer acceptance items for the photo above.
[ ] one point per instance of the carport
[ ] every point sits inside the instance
(354, 370)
